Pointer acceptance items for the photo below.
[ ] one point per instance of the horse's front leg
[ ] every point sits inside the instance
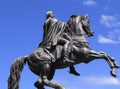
(101, 55)
(112, 59)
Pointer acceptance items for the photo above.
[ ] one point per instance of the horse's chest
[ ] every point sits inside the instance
(78, 39)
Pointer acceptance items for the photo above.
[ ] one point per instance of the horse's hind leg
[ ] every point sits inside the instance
(44, 78)
(39, 84)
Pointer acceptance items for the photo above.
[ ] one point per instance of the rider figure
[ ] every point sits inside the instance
(53, 35)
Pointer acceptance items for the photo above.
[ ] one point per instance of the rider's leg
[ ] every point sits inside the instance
(66, 54)
(65, 44)
(65, 40)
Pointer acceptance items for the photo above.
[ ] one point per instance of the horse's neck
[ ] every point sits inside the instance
(78, 33)
(77, 29)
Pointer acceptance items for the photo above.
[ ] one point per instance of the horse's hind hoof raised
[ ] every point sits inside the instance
(113, 73)
(38, 85)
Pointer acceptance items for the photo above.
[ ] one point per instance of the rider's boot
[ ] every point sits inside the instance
(73, 71)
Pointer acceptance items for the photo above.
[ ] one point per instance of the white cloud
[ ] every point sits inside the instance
(113, 37)
(102, 39)
(115, 34)
(102, 80)
(89, 3)
(110, 21)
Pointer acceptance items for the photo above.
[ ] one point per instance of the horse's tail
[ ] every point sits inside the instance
(15, 70)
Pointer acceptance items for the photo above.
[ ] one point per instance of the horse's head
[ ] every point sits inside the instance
(86, 24)
(80, 22)
(77, 22)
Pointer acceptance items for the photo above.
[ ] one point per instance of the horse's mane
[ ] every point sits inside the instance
(72, 18)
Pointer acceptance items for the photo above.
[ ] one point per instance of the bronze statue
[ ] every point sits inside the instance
(49, 55)
(54, 34)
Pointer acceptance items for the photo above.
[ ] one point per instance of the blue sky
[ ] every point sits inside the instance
(21, 30)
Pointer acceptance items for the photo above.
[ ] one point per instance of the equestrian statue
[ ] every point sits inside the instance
(63, 45)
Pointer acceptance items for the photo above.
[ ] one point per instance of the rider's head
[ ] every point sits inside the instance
(49, 14)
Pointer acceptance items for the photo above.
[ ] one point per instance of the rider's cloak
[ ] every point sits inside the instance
(53, 34)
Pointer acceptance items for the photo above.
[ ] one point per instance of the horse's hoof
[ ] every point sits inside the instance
(113, 73)
(38, 85)
(116, 65)
(60, 87)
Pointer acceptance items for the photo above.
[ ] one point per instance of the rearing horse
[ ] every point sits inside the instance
(40, 62)
(79, 25)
